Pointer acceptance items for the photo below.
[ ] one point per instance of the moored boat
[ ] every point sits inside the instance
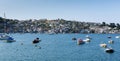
(87, 40)
(3, 37)
(117, 37)
(109, 37)
(36, 41)
(87, 36)
(74, 38)
(80, 41)
(111, 41)
(103, 45)
(6, 38)
(109, 50)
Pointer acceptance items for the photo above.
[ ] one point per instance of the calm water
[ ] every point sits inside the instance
(59, 47)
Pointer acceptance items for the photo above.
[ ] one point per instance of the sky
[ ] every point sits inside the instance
(77, 10)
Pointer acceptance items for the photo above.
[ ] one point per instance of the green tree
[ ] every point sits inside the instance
(103, 24)
(112, 25)
(118, 26)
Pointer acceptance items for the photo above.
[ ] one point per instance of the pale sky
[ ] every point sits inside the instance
(79, 10)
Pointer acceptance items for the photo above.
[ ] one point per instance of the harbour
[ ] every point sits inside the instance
(59, 47)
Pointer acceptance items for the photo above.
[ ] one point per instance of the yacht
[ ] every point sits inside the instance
(6, 38)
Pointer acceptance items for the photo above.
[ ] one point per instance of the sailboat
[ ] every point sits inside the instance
(4, 37)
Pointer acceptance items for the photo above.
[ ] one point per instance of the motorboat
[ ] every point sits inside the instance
(87, 36)
(109, 50)
(117, 37)
(80, 41)
(103, 45)
(87, 40)
(111, 41)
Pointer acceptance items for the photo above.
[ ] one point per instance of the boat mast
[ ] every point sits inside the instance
(5, 24)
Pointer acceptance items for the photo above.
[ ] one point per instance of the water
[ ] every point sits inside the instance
(59, 47)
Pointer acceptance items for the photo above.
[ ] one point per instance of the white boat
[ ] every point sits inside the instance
(111, 41)
(3, 37)
(117, 37)
(103, 45)
(87, 36)
(87, 40)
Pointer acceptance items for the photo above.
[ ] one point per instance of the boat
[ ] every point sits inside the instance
(51, 33)
(87, 36)
(111, 41)
(87, 40)
(80, 41)
(74, 38)
(10, 40)
(36, 41)
(103, 45)
(3, 37)
(109, 50)
(109, 37)
(6, 38)
(117, 37)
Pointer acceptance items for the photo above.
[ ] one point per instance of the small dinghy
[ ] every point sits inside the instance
(103, 45)
(87, 36)
(87, 40)
(80, 41)
(109, 50)
(111, 41)
(74, 38)
(36, 41)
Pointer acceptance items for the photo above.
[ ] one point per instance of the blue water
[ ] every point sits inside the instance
(59, 47)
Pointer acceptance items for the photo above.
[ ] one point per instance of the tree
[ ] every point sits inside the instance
(112, 25)
(118, 26)
(103, 24)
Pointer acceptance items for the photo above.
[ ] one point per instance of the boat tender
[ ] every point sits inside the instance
(103, 45)
(80, 41)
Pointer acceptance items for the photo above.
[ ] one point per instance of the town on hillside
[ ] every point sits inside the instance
(56, 26)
